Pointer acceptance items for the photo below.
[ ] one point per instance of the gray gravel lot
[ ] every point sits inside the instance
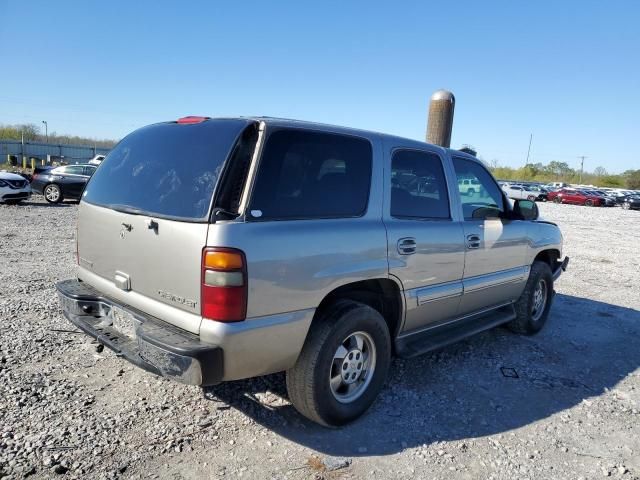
(562, 404)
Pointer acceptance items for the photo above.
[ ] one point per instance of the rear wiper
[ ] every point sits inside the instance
(217, 211)
(126, 209)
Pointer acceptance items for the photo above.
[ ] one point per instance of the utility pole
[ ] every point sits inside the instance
(529, 150)
(581, 157)
(46, 129)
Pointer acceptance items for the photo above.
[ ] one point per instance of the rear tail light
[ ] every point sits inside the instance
(224, 284)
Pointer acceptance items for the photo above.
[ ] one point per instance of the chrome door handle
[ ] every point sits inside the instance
(473, 241)
(407, 246)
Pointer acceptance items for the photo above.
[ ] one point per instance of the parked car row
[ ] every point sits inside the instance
(54, 183)
(559, 192)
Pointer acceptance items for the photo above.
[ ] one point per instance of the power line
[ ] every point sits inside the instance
(529, 149)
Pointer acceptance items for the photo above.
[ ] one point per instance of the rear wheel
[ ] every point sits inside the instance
(532, 308)
(343, 364)
(52, 193)
(557, 200)
(626, 205)
(531, 198)
(471, 192)
(588, 203)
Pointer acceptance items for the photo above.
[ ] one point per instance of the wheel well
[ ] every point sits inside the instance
(380, 294)
(550, 257)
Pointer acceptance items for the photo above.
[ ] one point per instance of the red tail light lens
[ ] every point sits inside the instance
(224, 284)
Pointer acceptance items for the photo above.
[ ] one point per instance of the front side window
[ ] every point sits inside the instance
(485, 201)
(304, 174)
(418, 186)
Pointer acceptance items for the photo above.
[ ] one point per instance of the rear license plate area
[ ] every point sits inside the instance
(123, 322)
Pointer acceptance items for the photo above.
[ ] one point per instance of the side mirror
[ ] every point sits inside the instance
(526, 210)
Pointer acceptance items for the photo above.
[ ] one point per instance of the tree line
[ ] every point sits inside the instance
(33, 133)
(562, 172)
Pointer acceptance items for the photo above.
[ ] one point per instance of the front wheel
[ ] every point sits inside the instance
(557, 200)
(532, 308)
(52, 193)
(531, 198)
(343, 364)
(626, 205)
(589, 203)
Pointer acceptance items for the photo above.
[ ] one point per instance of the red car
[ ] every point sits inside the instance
(576, 197)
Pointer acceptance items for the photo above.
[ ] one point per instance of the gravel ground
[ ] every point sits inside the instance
(562, 404)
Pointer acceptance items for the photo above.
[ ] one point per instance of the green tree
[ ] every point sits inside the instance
(632, 179)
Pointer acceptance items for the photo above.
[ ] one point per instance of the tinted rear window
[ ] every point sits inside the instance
(418, 186)
(307, 174)
(166, 169)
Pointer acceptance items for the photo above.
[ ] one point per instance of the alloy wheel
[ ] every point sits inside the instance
(52, 193)
(539, 300)
(352, 367)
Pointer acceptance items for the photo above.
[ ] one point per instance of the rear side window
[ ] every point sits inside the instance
(166, 170)
(71, 170)
(305, 174)
(418, 186)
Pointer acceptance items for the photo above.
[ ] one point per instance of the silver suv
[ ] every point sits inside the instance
(212, 250)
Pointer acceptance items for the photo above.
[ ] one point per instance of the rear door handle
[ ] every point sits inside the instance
(407, 246)
(473, 241)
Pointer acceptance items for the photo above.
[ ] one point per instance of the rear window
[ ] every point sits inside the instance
(166, 170)
(305, 174)
(418, 186)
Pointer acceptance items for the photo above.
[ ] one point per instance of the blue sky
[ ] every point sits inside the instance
(568, 72)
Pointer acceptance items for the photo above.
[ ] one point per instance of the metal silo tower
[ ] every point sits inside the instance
(440, 121)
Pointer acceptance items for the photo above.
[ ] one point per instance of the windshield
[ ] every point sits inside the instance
(166, 170)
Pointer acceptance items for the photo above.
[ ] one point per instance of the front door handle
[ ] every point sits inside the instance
(473, 241)
(407, 246)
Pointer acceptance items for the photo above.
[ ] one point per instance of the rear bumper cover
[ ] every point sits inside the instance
(560, 267)
(157, 347)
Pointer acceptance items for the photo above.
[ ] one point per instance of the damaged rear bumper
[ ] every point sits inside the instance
(153, 345)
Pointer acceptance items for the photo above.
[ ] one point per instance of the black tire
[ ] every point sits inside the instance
(626, 205)
(471, 192)
(531, 198)
(528, 321)
(52, 193)
(308, 380)
(588, 203)
(557, 200)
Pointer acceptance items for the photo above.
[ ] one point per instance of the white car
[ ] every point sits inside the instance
(97, 160)
(13, 188)
(521, 192)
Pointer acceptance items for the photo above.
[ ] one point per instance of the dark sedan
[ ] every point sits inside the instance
(630, 202)
(59, 183)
